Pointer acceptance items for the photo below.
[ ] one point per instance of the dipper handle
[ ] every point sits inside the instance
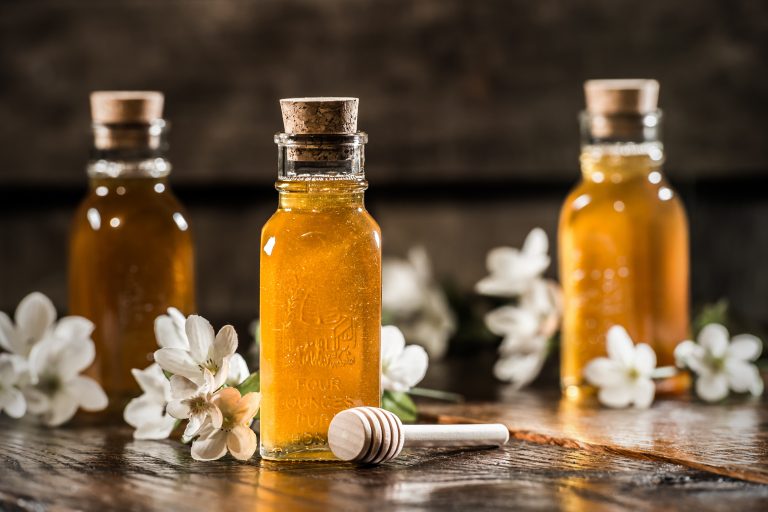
(491, 434)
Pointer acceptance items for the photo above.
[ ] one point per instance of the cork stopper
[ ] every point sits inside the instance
(626, 96)
(126, 107)
(319, 115)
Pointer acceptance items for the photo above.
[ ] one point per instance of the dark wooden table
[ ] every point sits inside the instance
(679, 454)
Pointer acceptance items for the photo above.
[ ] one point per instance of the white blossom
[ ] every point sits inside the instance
(147, 413)
(234, 434)
(56, 387)
(35, 318)
(401, 367)
(625, 376)
(721, 363)
(205, 351)
(12, 401)
(413, 301)
(194, 403)
(526, 329)
(512, 270)
(170, 332)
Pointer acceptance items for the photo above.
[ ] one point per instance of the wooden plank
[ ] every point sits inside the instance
(729, 439)
(88, 468)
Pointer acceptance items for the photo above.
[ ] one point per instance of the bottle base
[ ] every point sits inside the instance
(298, 454)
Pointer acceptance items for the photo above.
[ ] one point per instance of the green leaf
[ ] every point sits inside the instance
(400, 404)
(251, 384)
(716, 313)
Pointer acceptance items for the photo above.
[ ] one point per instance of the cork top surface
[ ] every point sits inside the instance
(126, 106)
(621, 96)
(332, 115)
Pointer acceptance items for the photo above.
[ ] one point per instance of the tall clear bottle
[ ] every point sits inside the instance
(623, 236)
(131, 254)
(320, 282)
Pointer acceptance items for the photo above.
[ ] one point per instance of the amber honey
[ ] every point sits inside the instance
(131, 257)
(320, 314)
(623, 259)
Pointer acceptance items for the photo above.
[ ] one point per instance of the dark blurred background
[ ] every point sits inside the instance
(470, 105)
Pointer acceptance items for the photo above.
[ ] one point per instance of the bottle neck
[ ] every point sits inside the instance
(129, 151)
(620, 147)
(321, 171)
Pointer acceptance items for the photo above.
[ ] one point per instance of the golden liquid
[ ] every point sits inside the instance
(320, 315)
(131, 257)
(623, 242)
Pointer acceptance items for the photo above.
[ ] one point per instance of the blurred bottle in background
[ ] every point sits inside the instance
(623, 236)
(131, 254)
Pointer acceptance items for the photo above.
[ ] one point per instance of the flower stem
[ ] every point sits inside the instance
(437, 395)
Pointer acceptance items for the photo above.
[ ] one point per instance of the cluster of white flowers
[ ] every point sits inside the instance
(412, 300)
(40, 368)
(721, 363)
(529, 323)
(626, 376)
(201, 387)
(401, 367)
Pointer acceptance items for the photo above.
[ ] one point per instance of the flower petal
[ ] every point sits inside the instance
(13, 402)
(194, 425)
(227, 400)
(745, 347)
(604, 372)
(712, 388)
(178, 409)
(7, 333)
(714, 338)
(152, 381)
(536, 242)
(225, 343)
(249, 405)
(200, 335)
(160, 428)
(210, 447)
(392, 344)
(241, 442)
(142, 410)
(37, 401)
(63, 407)
(512, 320)
(179, 362)
(182, 387)
(34, 316)
(73, 328)
(238, 370)
(643, 393)
(168, 334)
(645, 359)
(89, 394)
(519, 369)
(74, 356)
(620, 346)
(741, 375)
(616, 396)
(409, 369)
(683, 352)
(217, 418)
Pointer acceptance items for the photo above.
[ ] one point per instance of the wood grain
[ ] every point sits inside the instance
(87, 468)
(729, 440)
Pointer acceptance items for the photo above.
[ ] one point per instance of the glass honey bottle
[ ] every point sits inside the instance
(320, 282)
(131, 254)
(623, 236)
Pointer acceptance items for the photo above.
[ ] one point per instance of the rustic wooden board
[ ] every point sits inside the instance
(729, 440)
(88, 468)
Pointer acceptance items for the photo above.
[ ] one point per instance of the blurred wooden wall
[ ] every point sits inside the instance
(470, 106)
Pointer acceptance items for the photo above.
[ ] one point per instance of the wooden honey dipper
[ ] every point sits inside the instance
(370, 435)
